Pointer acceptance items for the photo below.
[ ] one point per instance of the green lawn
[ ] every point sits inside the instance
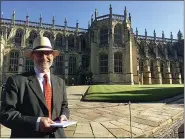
(133, 93)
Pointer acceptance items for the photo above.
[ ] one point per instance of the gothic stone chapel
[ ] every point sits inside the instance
(108, 52)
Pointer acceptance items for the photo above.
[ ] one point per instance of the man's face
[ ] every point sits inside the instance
(42, 60)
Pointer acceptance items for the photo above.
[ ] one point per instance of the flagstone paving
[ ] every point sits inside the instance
(98, 119)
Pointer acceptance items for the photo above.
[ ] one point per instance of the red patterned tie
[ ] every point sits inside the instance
(48, 93)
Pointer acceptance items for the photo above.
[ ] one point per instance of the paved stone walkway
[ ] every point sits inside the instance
(97, 119)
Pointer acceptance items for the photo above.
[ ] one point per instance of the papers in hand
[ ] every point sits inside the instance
(63, 123)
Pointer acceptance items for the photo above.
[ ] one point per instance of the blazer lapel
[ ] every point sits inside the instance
(55, 89)
(35, 86)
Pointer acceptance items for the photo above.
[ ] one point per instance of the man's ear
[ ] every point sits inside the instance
(31, 56)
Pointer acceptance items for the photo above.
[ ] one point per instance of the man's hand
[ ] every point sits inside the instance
(63, 118)
(45, 124)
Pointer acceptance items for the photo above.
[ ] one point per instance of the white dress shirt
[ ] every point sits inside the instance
(40, 77)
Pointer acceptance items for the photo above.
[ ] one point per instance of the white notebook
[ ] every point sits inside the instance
(63, 123)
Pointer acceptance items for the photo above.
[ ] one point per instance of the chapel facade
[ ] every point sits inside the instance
(108, 52)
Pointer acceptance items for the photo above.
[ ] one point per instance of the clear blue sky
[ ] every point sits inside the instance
(164, 16)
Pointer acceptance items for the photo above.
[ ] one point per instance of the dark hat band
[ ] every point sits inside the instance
(38, 47)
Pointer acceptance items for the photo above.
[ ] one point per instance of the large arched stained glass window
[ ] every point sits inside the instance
(104, 35)
(18, 37)
(58, 41)
(71, 41)
(162, 69)
(118, 34)
(83, 44)
(48, 35)
(33, 35)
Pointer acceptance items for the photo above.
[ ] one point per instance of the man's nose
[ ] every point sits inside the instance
(43, 56)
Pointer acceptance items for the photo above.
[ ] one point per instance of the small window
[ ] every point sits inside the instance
(118, 63)
(28, 65)
(72, 65)
(14, 61)
(103, 63)
(141, 66)
(59, 65)
(152, 69)
(85, 61)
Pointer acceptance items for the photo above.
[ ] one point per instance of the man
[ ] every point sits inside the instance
(33, 100)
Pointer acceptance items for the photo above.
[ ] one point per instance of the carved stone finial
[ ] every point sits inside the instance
(130, 17)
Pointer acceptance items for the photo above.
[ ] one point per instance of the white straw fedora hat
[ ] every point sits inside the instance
(41, 44)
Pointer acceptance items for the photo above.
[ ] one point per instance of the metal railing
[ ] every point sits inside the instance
(118, 17)
(37, 24)
(102, 17)
(107, 16)
(158, 39)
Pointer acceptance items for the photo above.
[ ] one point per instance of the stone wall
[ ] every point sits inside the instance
(176, 130)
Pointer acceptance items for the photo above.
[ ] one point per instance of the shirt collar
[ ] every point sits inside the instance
(40, 75)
